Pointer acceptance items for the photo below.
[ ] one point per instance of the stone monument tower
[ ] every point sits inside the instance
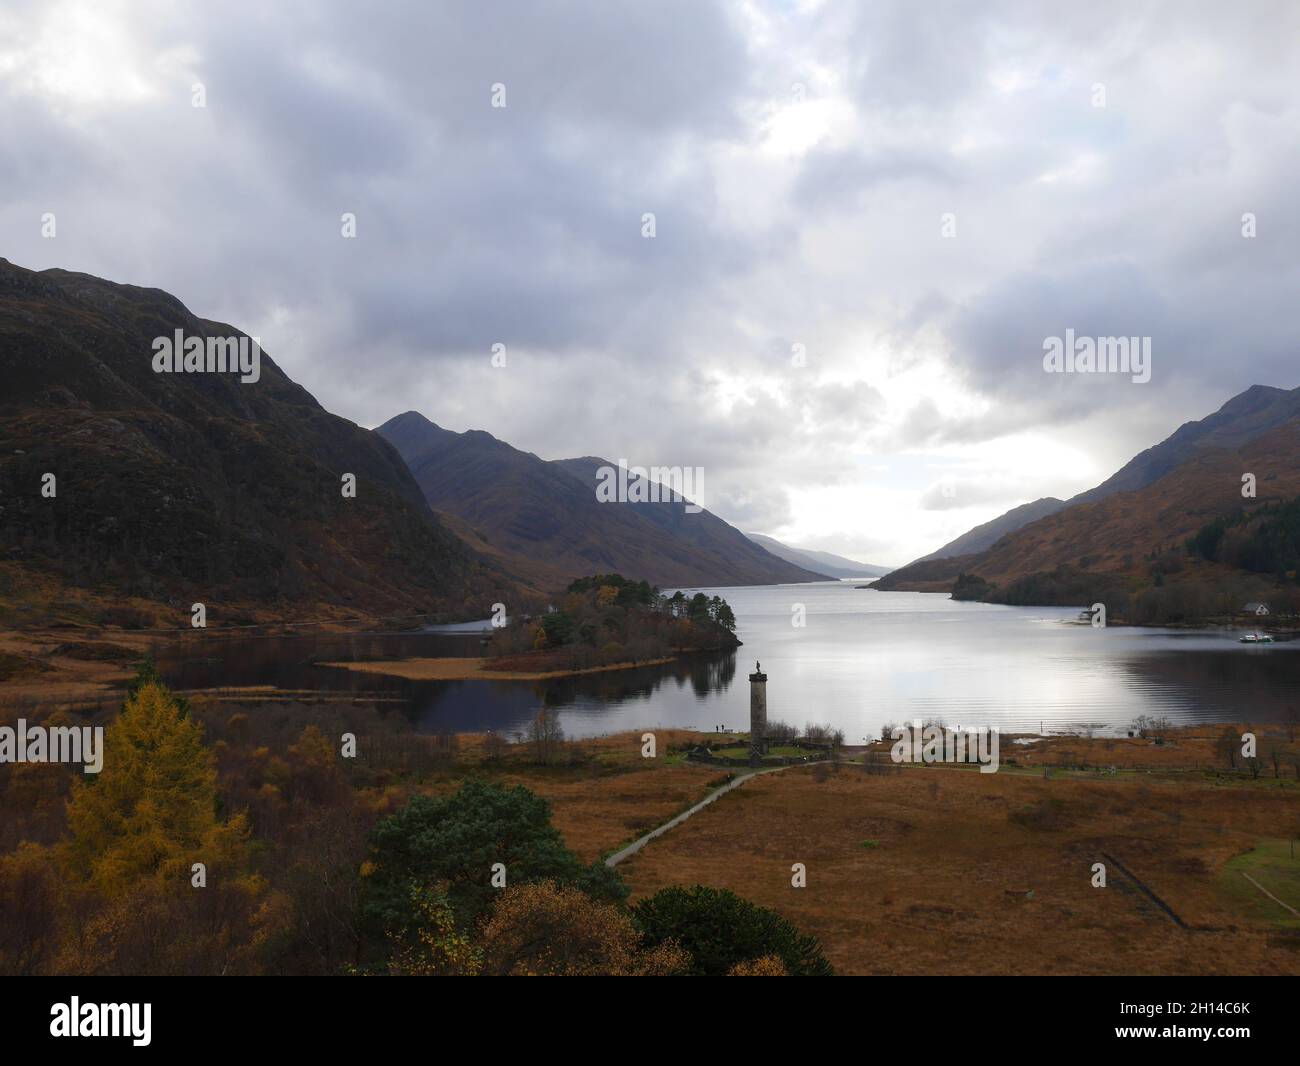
(757, 714)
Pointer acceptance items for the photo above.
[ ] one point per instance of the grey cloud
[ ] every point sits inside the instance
(522, 225)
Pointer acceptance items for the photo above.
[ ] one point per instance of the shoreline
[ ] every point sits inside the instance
(474, 669)
(1284, 625)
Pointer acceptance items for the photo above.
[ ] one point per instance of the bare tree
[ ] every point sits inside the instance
(823, 734)
(546, 736)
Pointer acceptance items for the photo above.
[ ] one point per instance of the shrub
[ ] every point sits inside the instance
(767, 966)
(720, 930)
(545, 929)
(454, 841)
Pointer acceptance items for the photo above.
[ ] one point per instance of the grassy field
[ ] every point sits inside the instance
(1274, 866)
(992, 874)
(741, 751)
(945, 870)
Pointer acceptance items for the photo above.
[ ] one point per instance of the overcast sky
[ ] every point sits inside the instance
(1092, 162)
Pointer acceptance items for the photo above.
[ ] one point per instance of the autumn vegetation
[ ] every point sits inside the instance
(383, 863)
(606, 618)
(187, 855)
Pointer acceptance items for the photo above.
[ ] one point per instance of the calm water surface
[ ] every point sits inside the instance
(862, 659)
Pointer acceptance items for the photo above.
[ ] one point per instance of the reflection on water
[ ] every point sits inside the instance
(291, 662)
(590, 705)
(862, 659)
(1218, 684)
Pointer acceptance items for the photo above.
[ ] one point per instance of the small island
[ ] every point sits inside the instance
(602, 622)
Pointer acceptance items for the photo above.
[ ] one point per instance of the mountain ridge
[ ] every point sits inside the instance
(537, 509)
(1251, 413)
(173, 488)
(985, 535)
(836, 566)
(1195, 476)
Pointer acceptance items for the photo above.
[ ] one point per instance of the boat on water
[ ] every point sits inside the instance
(1255, 638)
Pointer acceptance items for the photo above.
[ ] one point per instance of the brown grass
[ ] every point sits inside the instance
(1191, 748)
(987, 873)
(603, 793)
(60, 670)
(596, 820)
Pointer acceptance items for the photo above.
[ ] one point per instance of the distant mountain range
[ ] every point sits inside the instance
(179, 488)
(130, 491)
(121, 485)
(832, 565)
(542, 519)
(1155, 501)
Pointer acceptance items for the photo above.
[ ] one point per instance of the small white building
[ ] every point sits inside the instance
(1255, 608)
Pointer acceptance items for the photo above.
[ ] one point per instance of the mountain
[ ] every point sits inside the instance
(1121, 531)
(191, 487)
(1152, 504)
(988, 534)
(926, 575)
(1243, 418)
(543, 513)
(834, 565)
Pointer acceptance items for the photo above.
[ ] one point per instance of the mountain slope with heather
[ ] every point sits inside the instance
(174, 488)
(1244, 418)
(1251, 414)
(1137, 536)
(546, 513)
(1122, 531)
